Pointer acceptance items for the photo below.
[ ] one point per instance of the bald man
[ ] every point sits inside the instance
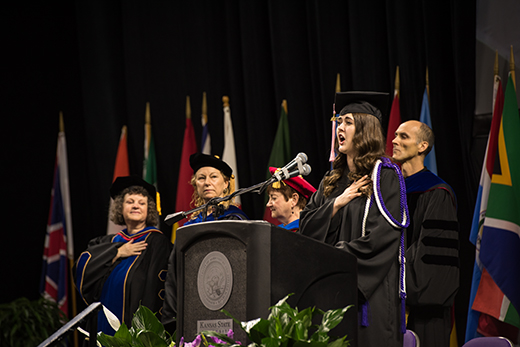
(432, 245)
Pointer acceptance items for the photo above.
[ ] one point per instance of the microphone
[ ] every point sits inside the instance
(281, 175)
(295, 167)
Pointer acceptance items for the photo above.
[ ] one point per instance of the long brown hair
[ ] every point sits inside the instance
(369, 143)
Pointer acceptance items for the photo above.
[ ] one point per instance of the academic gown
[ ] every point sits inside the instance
(377, 253)
(293, 226)
(432, 263)
(129, 281)
(170, 301)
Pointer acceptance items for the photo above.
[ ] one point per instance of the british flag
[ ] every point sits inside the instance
(54, 280)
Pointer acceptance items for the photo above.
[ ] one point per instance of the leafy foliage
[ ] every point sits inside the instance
(287, 327)
(28, 323)
(146, 331)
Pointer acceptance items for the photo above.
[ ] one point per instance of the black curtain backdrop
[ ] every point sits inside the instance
(100, 62)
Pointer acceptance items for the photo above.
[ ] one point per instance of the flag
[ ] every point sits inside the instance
(430, 161)
(229, 154)
(500, 243)
(395, 117)
(59, 245)
(121, 168)
(482, 201)
(206, 139)
(280, 152)
(149, 162)
(184, 188)
(332, 155)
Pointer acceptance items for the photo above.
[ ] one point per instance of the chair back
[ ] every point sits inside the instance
(411, 339)
(495, 341)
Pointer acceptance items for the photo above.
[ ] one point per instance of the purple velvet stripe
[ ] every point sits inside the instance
(402, 190)
(404, 212)
(363, 321)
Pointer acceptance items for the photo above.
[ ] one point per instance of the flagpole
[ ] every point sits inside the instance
(71, 259)
(512, 67)
(428, 85)
(397, 84)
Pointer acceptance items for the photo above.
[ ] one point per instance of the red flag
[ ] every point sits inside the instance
(395, 117)
(121, 168)
(184, 188)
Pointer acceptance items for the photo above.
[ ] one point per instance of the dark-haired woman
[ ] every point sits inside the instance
(127, 269)
(360, 207)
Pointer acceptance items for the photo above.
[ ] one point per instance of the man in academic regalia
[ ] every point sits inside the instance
(432, 264)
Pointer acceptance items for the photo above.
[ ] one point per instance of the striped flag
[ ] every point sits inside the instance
(184, 188)
(482, 201)
(149, 162)
(229, 153)
(121, 168)
(500, 244)
(206, 139)
(430, 161)
(280, 152)
(395, 117)
(59, 245)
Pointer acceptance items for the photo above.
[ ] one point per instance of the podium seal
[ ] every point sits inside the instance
(215, 280)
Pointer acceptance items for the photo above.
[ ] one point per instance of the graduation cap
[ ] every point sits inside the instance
(298, 183)
(123, 182)
(199, 160)
(373, 103)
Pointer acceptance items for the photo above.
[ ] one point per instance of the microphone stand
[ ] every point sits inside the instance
(258, 188)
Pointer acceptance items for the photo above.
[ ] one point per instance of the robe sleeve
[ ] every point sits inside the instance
(94, 266)
(432, 263)
(315, 219)
(152, 271)
(378, 250)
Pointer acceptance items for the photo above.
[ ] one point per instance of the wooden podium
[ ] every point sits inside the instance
(245, 267)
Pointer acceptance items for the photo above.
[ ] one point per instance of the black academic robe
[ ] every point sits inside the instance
(377, 253)
(125, 284)
(432, 263)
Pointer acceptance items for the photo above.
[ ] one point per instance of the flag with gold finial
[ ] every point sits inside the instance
(149, 162)
(497, 296)
(430, 161)
(395, 117)
(332, 155)
(205, 146)
(58, 252)
(121, 168)
(184, 188)
(229, 153)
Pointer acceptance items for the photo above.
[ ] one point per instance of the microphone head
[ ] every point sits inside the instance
(306, 170)
(303, 157)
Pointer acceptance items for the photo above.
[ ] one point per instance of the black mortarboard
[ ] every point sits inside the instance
(374, 103)
(123, 182)
(199, 160)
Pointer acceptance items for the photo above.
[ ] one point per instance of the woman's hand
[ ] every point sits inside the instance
(351, 192)
(129, 249)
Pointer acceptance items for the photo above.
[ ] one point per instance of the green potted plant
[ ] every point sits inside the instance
(288, 327)
(28, 323)
(285, 327)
